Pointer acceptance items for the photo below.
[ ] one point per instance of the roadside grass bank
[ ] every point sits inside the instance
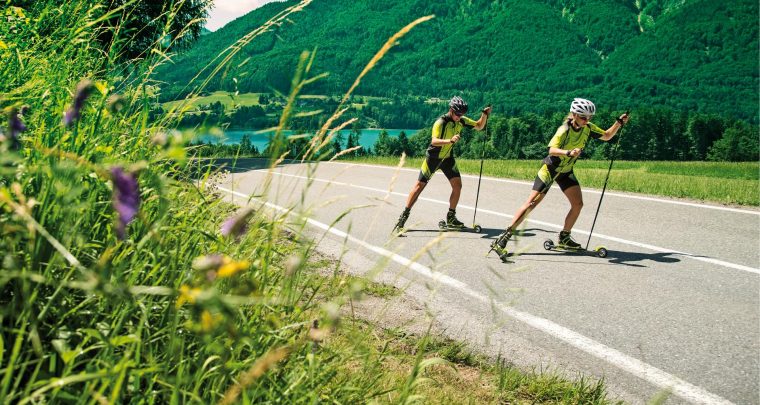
(448, 371)
(734, 183)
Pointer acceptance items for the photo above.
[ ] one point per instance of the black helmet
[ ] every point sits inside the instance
(458, 105)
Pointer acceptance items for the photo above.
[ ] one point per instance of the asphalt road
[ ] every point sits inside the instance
(675, 305)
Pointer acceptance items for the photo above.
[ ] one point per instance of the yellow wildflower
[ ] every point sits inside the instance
(209, 320)
(230, 268)
(187, 294)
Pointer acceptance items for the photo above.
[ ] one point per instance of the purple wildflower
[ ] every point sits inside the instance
(84, 88)
(237, 224)
(15, 127)
(126, 198)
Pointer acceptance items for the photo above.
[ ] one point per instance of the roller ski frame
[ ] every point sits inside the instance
(502, 253)
(443, 226)
(599, 251)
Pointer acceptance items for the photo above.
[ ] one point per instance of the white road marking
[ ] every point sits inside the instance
(585, 190)
(556, 226)
(618, 359)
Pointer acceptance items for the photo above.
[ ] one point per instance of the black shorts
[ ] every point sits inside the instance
(546, 173)
(448, 166)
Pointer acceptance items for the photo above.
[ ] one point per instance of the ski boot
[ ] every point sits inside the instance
(500, 244)
(566, 241)
(451, 220)
(399, 228)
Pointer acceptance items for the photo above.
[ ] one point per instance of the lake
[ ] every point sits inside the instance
(367, 137)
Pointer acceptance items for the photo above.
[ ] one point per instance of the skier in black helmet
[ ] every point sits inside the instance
(440, 155)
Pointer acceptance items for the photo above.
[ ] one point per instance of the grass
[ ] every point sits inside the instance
(125, 278)
(716, 182)
(458, 376)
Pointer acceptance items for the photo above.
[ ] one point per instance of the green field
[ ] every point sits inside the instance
(717, 182)
(229, 100)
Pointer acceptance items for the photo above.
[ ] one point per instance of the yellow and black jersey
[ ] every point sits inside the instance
(446, 128)
(568, 138)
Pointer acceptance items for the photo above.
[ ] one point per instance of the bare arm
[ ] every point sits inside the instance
(565, 152)
(440, 142)
(481, 123)
(611, 131)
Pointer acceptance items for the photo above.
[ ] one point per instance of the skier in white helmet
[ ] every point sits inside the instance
(440, 155)
(564, 149)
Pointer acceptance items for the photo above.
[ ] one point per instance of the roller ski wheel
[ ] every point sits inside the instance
(443, 226)
(599, 251)
(504, 256)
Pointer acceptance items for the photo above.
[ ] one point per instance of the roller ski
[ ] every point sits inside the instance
(399, 229)
(452, 224)
(567, 244)
(443, 226)
(500, 245)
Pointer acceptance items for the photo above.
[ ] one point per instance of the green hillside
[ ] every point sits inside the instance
(523, 56)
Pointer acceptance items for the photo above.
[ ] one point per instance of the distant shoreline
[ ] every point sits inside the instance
(260, 137)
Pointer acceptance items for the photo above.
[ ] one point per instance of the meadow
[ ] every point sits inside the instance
(127, 279)
(228, 100)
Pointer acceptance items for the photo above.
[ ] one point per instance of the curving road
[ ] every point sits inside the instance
(675, 305)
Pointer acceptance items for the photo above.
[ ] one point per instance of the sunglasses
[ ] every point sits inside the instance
(458, 114)
(585, 117)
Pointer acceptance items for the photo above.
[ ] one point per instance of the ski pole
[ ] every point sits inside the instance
(482, 156)
(604, 188)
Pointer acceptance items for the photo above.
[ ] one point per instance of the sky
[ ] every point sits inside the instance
(225, 11)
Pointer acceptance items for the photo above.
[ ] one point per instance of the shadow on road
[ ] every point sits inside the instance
(626, 258)
(484, 233)
(613, 257)
(632, 259)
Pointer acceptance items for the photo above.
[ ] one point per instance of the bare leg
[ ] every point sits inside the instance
(414, 194)
(456, 191)
(575, 197)
(532, 202)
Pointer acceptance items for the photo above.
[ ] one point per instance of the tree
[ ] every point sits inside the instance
(419, 142)
(703, 131)
(384, 144)
(403, 144)
(337, 143)
(246, 147)
(739, 143)
(351, 142)
(145, 24)
(535, 150)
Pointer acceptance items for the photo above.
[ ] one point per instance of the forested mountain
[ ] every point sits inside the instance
(521, 55)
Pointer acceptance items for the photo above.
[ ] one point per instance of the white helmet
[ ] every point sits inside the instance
(583, 107)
